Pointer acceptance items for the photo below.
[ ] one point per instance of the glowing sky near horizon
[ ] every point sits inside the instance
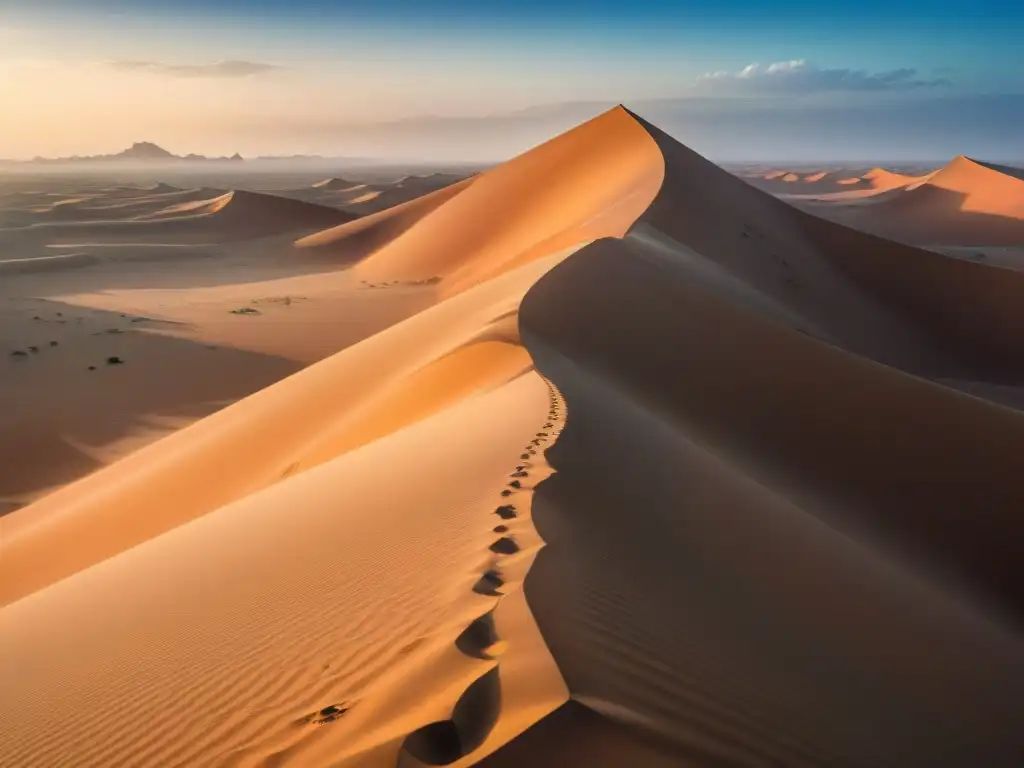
(216, 76)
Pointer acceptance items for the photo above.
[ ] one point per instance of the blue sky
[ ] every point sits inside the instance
(297, 62)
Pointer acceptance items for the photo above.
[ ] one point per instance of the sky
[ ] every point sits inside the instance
(735, 79)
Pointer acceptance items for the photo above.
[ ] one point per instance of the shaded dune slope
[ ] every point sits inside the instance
(765, 546)
(892, 302)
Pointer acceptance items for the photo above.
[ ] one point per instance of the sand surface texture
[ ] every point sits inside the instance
(627, 463)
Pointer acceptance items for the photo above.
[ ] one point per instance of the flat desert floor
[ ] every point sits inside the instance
(604, 456)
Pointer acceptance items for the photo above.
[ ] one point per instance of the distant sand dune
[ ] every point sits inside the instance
(356, 240)
(965, 203)
(224, 217)
(335, 184)
(831, 185)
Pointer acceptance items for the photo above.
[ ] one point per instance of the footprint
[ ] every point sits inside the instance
(480, 639)
(489, 584)
(505, 546)
(506, 492)
(506, 512)
(500, 529)
(472, 720)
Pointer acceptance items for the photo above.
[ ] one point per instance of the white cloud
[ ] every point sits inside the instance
(799, 77)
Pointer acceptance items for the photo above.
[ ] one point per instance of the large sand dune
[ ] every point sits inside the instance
(777, 531)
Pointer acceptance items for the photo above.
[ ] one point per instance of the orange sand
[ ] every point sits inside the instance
(758, 520)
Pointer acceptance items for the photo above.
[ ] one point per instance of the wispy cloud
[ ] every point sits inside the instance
(220, 69)
(798, 77)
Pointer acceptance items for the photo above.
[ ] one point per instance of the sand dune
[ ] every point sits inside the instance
(670, 473)
(335, 184)
(353, 241)
(400, 191)
(110, 204)
(202, 216)
(367, 198)
(244, 210)
(965, 203)
(834, 185)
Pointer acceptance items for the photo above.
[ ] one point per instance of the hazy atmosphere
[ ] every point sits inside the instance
(890, 80)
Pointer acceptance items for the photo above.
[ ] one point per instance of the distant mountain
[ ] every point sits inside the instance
(144, 150)
(141, 152)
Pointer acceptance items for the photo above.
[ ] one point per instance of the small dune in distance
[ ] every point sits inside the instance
(601, 456)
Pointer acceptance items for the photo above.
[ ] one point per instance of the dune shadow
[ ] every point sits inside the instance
(491, 582)
(576, 735)
(473, 718)
(926, 216)
(480, 635)
(745, 525)
(505, 546)
(506, 512)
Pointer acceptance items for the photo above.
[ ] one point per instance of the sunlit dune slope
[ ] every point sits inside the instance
(355, 240)
(551, 198)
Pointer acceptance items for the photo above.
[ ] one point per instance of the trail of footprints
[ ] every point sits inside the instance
(477, 710)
